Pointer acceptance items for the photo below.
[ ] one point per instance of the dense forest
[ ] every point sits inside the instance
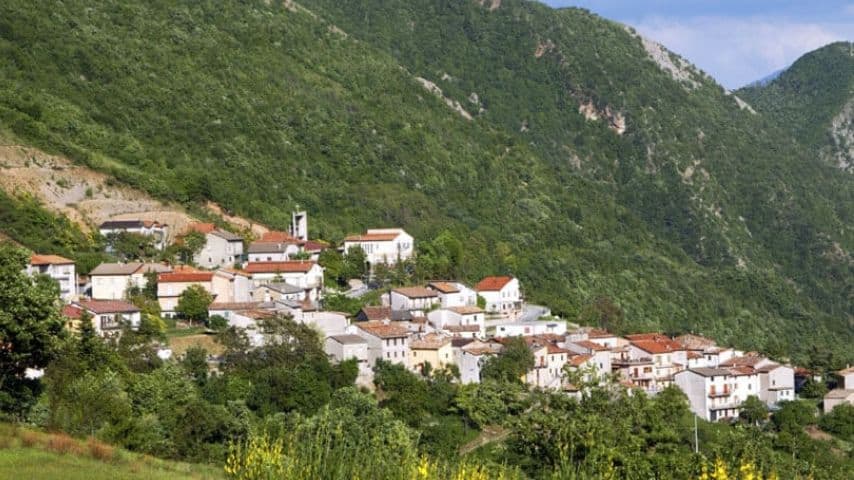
(587, 169)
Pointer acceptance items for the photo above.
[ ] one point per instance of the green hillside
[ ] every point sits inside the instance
(586, 168)
(808, 95)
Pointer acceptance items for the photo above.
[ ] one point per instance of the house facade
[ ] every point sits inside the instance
(383, 245)
(159, 231)
(413, 299)
(171, 285)
(111, 281)
(453, 294)
(718, 393)
(273, 251)
(386, 341)
(304, 274)
(108, 317)
(221, 248)
(503, 296)
(60, 269)
(229, 285)
(433, 349)
(449, 319)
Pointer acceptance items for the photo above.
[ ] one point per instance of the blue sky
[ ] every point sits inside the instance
(736, 41)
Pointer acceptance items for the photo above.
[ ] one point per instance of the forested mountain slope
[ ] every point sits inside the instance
(814, 100)
(597, 166)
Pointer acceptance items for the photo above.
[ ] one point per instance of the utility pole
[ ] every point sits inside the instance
(696, 437)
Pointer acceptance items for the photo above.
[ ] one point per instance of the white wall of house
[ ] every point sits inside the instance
(219, 252)
(777, 385)
(169, 292)
(340, 352)
(110, 324)
(465, 297)
(530, 328)
(394, 350)
(386, 251)
(63, 274)
(399, 301)
(113, 287)
(311, 281)
(506, 301)
(230, 287)
(289, 252)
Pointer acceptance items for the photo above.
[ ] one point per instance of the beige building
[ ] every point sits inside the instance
(171, 285)
(432, 348)
(111, 281)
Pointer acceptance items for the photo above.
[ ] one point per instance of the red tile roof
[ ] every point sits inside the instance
(578, 360)
(276, 236)
(36, 259)
(467, 310)
(431, 341)
(416, 292)
(444, 287)
(492, 284)
(279, 267)
(72, 311)
(314, 246)
(108, 306)
(376, 313)
(384, 330)
(373, 237)
(201, 227)
(462, 328)
(184, 277)
(599, 333)
(554, 349)
(660, 346)
(647, 336)
(592, 346)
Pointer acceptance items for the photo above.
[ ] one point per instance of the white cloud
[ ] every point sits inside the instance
(737, 51)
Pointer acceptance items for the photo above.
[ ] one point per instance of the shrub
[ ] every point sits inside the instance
(29, 439)
(62, 443)
(100, 451)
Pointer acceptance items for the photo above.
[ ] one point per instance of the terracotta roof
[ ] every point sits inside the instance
(492, 284)
(599, 333)
(270, 247)
(314, 246)
(592, 346)
(746, 360)
(742, 370)
(444, 287)
(467, 310)
(768, 368)
(235, 306)
(184, 277)
(384, 330)
(554, 349)
(709, 372)
(36, 259)
(431, 341)
(694, 355)
(578, 360)
(477, 347)
(839, 393)
(298, 266)
(647, 336)
(347, 339)
(231, 271)
(416, 292)
(372, 237)
(277, 236)
(71, 311)
(107, 306)
(204, 228)
(376, 312)
(663, 345)
(461, 328)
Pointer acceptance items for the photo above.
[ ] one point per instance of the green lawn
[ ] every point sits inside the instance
(30, 463)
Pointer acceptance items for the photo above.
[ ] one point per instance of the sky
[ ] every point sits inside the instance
(735, 41)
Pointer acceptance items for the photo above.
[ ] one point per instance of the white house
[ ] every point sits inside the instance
(304, 274)
(273, 251)
(171, 285)
(108, 316)
(448, 319)
(229, 285)
(111, 281)
(221, 248)
(525, 329)
(417, 299)
(776, 383)
(160, 231)
(349, 346)
(847, 378)
(838, 396)
(453, 294)
(386, 341)
(383, 245)
(471, 356)
(668, 357)
(60, 269)
(502, 295)
(717, 393)
(278, 292)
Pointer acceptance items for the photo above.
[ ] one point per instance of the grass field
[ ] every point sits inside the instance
(27, 454)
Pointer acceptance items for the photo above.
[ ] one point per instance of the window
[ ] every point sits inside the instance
(387, 354)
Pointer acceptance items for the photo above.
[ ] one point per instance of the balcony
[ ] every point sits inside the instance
(724, 393)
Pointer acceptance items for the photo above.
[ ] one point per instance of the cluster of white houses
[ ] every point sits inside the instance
(441, 324)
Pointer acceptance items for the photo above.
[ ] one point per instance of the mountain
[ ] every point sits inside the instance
(596, 165)
(764, 81)
(814, 100)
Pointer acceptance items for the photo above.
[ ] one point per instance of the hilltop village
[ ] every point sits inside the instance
(442, 324)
